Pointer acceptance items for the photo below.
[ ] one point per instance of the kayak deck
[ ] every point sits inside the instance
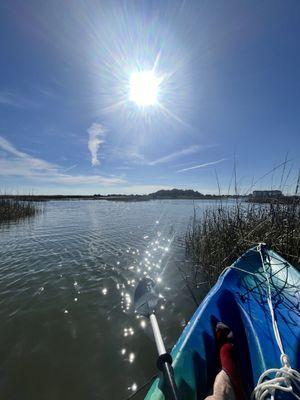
(239, 300)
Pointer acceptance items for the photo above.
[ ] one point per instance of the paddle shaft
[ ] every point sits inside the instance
(157, 335)
(170, 389)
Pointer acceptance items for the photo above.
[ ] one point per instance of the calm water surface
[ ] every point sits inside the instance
(67, 278)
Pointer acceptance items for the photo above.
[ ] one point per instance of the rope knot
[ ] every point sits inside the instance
(285, 362)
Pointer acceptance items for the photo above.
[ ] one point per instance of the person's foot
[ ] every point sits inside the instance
(225, 342)
(223, 334)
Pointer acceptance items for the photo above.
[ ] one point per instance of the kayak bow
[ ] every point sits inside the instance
(240, 300)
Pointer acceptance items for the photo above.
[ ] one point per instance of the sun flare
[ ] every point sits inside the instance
(144, 88)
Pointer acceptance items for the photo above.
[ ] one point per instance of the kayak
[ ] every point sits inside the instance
(240, 300)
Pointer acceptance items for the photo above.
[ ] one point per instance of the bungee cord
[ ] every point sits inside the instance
(273, 380)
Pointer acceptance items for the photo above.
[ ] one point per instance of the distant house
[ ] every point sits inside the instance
(262, 194)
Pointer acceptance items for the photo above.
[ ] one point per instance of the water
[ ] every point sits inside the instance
(67, 278)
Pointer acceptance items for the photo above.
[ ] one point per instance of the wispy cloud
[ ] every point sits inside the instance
(202, 165)
(96, 135)
(14, 162)
(16, 100)
(70, 168)
(67, 179)
(132, 155)
(24, 158)
(123, 167)
(128, 154)
(177, 154)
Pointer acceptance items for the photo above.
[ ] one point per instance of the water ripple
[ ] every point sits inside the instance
(67, 281)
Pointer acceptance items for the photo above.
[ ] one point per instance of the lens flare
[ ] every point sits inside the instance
(144, 88)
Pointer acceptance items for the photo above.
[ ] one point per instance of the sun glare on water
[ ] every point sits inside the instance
(144, 87)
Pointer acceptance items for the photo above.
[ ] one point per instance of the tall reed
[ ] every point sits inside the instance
(13, 209)
(222, 233)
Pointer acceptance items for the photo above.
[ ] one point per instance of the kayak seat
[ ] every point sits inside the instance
(225, 309)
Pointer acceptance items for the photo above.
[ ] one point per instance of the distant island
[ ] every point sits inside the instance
(164, 194)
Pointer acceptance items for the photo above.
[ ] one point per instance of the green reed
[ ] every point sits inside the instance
(224, 232)
(14, 209)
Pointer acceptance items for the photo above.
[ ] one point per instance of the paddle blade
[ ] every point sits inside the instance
(145, 297)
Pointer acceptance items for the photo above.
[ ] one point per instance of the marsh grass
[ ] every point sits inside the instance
(13, 209)
(222, 233)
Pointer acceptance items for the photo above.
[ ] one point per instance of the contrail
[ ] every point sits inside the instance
(202, 165)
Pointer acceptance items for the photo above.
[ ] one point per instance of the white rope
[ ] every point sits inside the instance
(270, 304)
(282, 379)
(237, 268)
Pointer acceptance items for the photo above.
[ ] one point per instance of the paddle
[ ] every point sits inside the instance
(145, 302)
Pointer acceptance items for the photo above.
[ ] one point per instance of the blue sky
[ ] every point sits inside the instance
(230, 88)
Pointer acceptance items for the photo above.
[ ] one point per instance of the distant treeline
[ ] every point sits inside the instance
(162, 195)
(179, 194)
(279, 200)
(39, 198)
(159, 195)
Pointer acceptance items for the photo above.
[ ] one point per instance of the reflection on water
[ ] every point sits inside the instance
(67, 279)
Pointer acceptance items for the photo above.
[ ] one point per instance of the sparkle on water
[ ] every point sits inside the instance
(143, 324)
(104, 291)
(134, 387)
(131, 357)
(97, 282)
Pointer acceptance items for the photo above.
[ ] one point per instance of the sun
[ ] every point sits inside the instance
(144, 88)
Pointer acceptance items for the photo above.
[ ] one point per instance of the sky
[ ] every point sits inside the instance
(228, 94)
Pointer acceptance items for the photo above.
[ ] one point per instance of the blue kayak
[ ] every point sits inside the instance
(240, 300)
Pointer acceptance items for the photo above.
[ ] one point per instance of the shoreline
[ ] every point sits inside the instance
(131, 198)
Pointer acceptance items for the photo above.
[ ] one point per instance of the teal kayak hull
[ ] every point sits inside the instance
(239, 300)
